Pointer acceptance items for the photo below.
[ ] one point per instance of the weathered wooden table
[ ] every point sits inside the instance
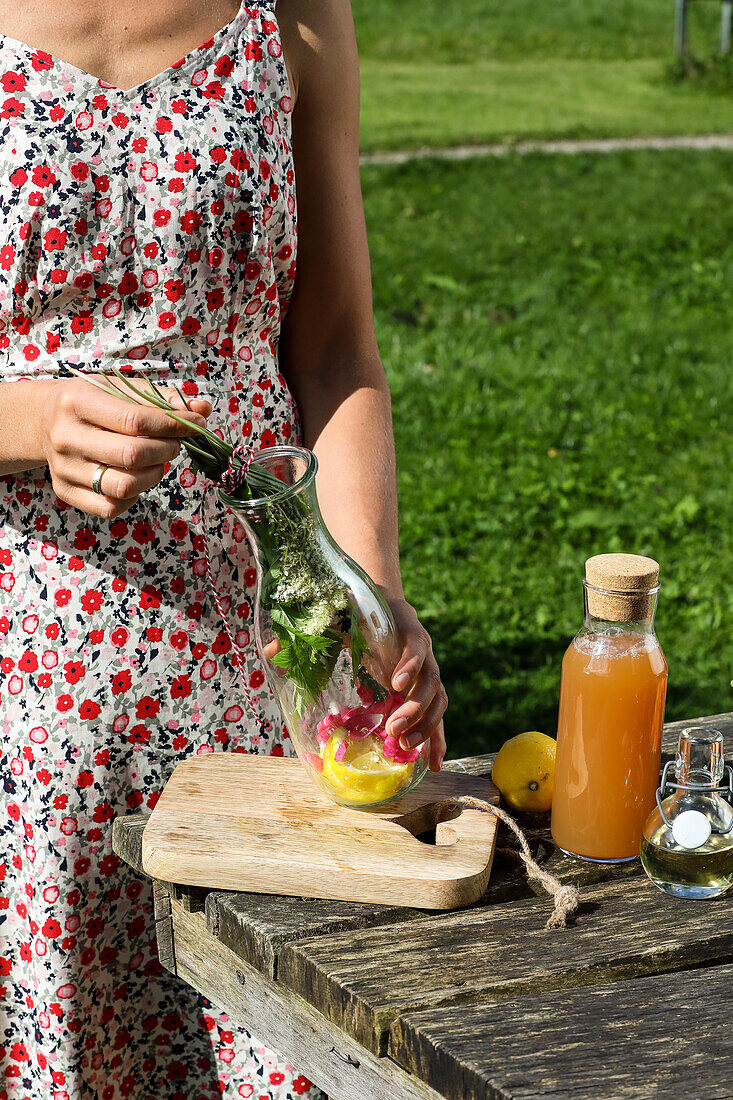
(635, 999)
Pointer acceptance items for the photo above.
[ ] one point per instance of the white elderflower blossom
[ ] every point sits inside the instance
(306, 577)
(321, 612)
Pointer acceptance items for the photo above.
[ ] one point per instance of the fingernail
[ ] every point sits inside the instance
(398, 726)
(401, 681)
(410, 740)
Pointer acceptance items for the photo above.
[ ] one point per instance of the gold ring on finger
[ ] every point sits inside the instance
(97, 479)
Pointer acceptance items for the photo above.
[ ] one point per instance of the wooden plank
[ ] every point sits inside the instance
(659, 1037)
(127, 838)
(328, 1056)
(127, 843)
(255, 926)
(473, 765)
(192, 898)
(164, 926)
(363, 980)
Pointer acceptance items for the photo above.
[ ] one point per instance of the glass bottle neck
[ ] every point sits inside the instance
(290, 518)
(700, 761)
(604, 612)
(286, 504)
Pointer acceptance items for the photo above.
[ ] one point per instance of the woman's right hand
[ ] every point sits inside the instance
(83, 427)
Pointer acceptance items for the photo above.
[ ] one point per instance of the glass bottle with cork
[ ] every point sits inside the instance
(609, 739)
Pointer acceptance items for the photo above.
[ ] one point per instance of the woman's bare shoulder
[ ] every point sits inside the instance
(318, 39)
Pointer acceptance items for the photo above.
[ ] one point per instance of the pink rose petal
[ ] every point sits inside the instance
(351, 712)
(328, 724)
(340, 751)
(365, 694)
(391, 747)
(392, 702)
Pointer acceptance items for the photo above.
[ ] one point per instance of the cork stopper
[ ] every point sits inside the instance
(620, 586)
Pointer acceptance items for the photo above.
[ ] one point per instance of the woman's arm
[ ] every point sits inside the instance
(328, 348)
(21, 405)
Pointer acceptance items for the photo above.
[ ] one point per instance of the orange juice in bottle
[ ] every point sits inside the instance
(609, 737)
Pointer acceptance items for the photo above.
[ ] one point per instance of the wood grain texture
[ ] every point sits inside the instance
(127, 838)
(328, 1056)
(232, 821)
(192, 898)
(661, 1037)
(164, 926)
(363, 980)
(256, 926)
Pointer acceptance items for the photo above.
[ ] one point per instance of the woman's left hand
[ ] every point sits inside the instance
(417, 677)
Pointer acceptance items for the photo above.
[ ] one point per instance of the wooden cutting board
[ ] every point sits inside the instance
(229, 821)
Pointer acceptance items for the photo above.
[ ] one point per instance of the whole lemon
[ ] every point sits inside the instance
(524, 771)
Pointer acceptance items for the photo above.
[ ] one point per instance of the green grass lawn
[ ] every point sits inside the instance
(557, 335)
(503, 69)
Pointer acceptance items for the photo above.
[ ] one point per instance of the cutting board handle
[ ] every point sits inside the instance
(469, 825)
(454, 824)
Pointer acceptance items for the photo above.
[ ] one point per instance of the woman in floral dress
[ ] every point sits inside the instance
(149, 222)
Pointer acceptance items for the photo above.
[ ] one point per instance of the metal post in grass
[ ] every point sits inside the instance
(726, 17)
(680, 28)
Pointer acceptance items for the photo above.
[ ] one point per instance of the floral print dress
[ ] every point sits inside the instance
(152, 228)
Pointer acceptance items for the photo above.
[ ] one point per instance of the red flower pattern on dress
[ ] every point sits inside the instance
(154, 228)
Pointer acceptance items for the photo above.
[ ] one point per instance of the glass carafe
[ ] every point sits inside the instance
(613, 687)
(326, 637)
(687, 845)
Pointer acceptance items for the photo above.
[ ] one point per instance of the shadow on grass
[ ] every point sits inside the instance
(499, 689)
(714, 74)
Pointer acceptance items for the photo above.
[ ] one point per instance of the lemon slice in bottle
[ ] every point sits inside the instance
(361, 775)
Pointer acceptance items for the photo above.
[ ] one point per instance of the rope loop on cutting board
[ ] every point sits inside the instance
(565, 896)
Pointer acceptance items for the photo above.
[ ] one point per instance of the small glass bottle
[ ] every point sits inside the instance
(609, 738)
(687, 844)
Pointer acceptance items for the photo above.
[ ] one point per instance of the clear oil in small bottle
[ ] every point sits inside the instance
(687, 843)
